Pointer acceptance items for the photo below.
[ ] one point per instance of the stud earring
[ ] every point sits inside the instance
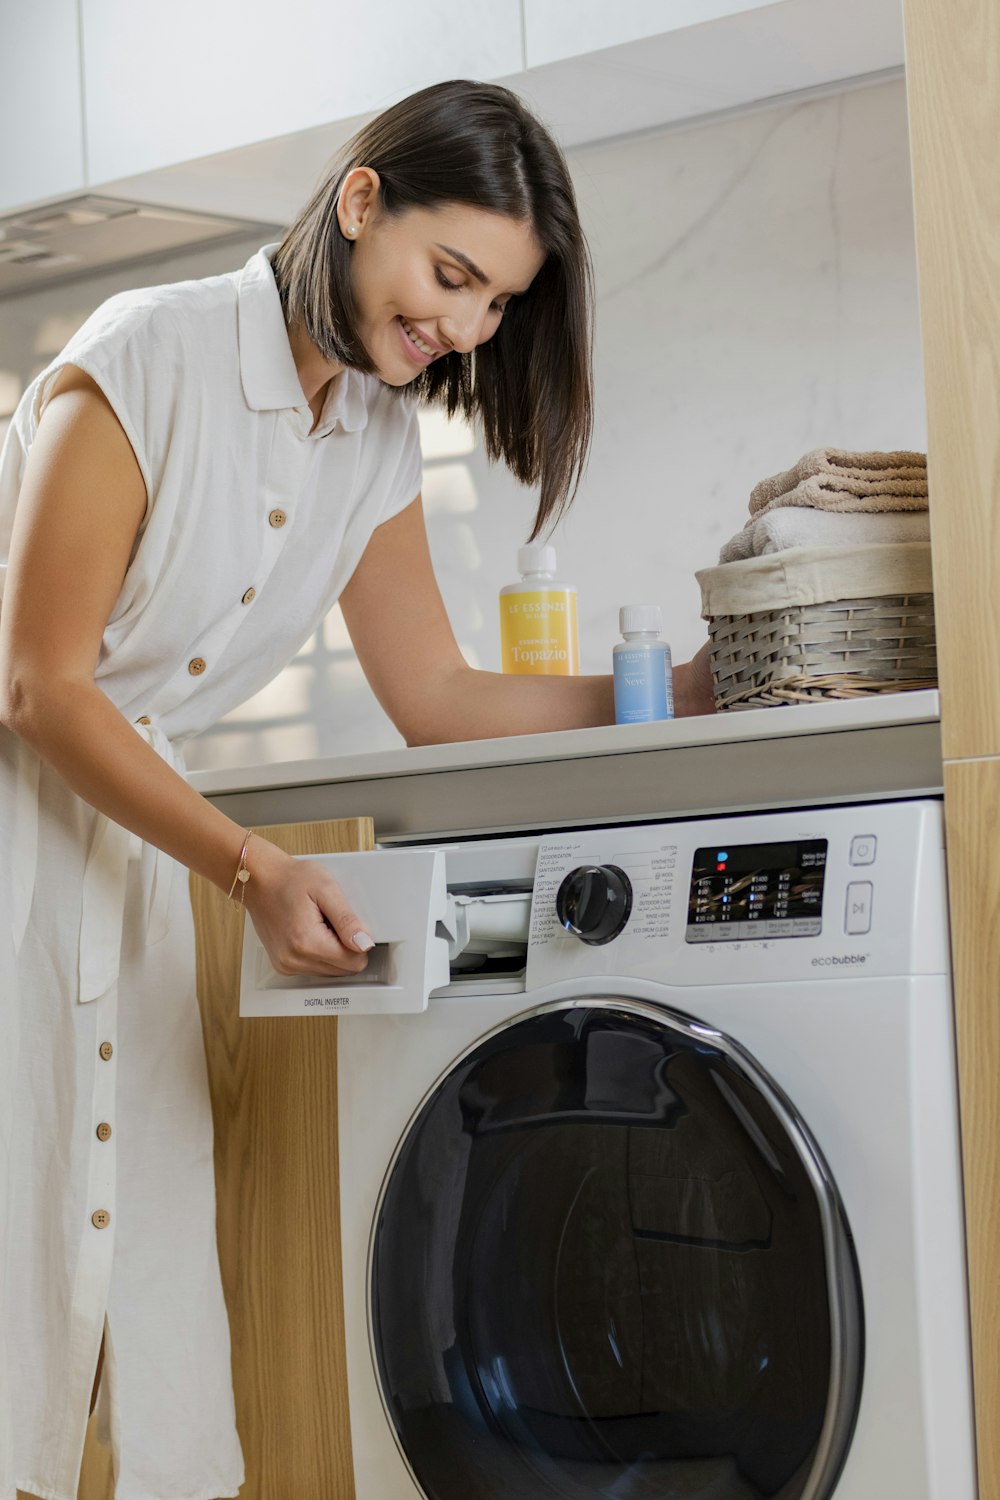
(352, 228)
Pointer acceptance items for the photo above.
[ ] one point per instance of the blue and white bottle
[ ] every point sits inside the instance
(644, 683)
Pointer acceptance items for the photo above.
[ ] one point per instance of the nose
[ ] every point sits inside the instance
(465, 330)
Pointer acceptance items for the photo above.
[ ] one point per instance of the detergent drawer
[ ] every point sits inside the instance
(401, 898)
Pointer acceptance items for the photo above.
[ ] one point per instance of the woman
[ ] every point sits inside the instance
(190, 486)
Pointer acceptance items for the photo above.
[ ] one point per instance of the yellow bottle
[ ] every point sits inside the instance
(538, 618)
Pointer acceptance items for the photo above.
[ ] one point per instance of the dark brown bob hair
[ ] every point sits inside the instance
(529, 387)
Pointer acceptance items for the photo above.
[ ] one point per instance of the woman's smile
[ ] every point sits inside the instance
(417, 346)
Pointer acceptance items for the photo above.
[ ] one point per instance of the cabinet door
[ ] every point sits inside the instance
(41, 122)
(172, 82)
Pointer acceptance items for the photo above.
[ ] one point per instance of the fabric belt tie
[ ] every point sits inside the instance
(102, 912)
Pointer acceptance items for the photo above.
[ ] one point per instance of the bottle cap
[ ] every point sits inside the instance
(536, 557)
(634, 617)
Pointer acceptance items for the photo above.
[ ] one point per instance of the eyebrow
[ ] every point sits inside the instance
(469, 265)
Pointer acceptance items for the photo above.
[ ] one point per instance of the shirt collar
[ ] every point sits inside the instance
(267, 366)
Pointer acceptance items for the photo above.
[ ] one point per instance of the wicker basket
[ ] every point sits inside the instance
(776, 639)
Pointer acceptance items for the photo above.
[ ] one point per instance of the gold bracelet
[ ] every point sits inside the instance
(242, 873)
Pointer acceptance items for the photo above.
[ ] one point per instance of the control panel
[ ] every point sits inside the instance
(754, 891)
(779, 895)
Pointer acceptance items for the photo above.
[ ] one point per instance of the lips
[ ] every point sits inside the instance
(419, 341)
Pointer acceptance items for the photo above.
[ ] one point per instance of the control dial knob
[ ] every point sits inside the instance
(594, 902)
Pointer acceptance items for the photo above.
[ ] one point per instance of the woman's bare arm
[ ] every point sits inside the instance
(404, 640)
(80, 508)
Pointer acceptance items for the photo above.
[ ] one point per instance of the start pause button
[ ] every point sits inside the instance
(858, 914)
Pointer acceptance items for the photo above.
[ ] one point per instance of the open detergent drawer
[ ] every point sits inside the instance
(402, 900)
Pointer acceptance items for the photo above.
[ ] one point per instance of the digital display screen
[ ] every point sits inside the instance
(740, 892)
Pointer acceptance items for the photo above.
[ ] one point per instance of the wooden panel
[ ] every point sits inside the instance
(972, 814)
(953, 88)
(274, 1100)
(97, 1477)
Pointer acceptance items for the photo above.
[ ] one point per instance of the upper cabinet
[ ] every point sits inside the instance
(636, 64)
(41, 122)
(595, 24)
(166, 83)
(234, 106)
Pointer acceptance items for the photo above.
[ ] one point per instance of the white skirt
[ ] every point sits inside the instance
(110, 1195)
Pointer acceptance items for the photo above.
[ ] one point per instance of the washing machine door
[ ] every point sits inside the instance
(609, 1261)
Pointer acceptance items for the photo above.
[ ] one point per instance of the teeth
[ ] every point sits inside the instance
(414, 339)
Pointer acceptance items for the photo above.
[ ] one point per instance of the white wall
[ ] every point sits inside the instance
(756, 299)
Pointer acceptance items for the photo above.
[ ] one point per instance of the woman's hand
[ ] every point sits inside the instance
(694, 686)
(301, 915)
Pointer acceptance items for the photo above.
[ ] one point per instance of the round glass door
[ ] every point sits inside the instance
(609, 1261)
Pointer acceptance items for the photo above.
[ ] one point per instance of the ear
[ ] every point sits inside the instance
(357, 201)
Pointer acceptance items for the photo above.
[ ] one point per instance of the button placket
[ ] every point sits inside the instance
(288, 466)
(283, 477)
(101, 1174)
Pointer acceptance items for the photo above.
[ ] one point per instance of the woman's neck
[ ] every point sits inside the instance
(314, 371)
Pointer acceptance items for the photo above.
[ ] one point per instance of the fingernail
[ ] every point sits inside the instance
(363, 942)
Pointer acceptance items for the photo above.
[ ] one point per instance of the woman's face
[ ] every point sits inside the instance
(428, 281)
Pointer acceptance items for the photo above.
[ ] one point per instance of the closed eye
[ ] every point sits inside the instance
(458, 286)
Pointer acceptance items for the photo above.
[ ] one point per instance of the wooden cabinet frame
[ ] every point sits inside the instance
(953, 90)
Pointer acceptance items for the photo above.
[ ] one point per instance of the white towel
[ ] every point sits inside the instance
(796, 526)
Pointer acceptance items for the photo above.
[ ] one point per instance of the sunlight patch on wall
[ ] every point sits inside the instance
(10, 392)
(286, 697)
(449, 490)
(334, 633)
(471, 654)
(444, 437)
(55, 331)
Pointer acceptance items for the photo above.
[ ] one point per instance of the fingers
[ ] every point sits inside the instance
(315, 931)
(335, 908)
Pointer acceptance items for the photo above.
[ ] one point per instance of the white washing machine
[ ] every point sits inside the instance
(659, 1196)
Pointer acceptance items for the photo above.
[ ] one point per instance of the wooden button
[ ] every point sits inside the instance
(101, 1219)
(196, 666)
(104, 1131)
(277, 518)
(106, 1050)
(144, 720)
(249, 596)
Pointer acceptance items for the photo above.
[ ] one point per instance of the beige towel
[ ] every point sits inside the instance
(832, 479)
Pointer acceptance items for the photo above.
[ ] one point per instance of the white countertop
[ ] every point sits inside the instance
(753, 725)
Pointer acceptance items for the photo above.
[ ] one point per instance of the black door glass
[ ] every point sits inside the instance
(599, 1271)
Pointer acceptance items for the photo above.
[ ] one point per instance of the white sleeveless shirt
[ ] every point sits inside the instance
(254, 524)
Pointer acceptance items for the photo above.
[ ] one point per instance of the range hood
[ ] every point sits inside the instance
(82, 235)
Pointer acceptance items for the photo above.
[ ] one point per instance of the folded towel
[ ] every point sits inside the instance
(832, 479)
(795, 526)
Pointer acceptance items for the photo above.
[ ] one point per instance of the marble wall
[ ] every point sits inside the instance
(756, 299)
